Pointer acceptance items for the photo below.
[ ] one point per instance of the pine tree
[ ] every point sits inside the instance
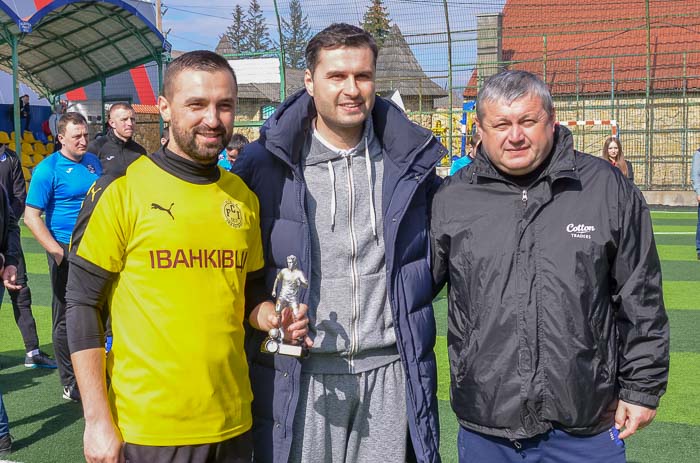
(376, 21)
(257, 35)
(237, 32)
(296, 33)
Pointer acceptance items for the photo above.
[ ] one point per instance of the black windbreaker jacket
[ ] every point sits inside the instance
(115, 154)
(555, 301)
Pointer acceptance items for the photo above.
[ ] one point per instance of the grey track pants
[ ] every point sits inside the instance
(353, 418)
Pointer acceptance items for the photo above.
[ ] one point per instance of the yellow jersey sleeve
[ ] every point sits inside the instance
(102, 230)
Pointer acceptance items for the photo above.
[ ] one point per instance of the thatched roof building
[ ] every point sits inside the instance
(398, 69)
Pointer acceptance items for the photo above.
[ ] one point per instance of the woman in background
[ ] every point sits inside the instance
(612, 152)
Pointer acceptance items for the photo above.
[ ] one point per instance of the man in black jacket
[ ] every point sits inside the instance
(9, 251)
(12, 180)
(117, 149)
(24, 113)
(558, 338)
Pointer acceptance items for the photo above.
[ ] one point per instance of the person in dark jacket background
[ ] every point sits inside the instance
(345, 182)
(12, 180)
(25, 115)
(9, 253)
(558, 338)
(117, 149)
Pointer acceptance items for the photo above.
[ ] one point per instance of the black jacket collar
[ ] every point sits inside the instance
(562, 164)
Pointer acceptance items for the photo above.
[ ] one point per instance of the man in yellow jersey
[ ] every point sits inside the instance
(169, 246)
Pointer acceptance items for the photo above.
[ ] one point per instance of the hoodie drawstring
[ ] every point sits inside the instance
(368, 166)
(333, 204)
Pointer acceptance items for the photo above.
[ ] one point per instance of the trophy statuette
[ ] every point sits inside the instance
(291, 279)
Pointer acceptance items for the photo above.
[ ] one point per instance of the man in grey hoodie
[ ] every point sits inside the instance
(344, 180)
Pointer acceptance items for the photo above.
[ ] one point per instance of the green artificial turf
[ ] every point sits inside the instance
(48, 429)
(682, 295)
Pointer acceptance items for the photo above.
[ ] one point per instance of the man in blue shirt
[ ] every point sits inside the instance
(233, 149)
(695, 178)
(467, 159)
(59, 184)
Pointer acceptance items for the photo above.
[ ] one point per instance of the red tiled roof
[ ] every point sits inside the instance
(145, 109)
(594, 32)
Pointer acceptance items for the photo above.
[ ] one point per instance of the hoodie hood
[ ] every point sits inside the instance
(285, 132)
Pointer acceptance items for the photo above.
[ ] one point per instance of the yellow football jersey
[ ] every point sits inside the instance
(179, 253)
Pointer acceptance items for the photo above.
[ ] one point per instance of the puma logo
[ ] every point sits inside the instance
(161, 208)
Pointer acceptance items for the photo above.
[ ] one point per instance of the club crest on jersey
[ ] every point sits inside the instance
(91, 168)
(233, 214)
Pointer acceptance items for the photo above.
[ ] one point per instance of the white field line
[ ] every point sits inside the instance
(672, 212)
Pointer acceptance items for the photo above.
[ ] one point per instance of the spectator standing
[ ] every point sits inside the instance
(59, 185)
(558, 339)
(344, 181)
(464, 161)
(695, 178)
(233, 149)
(12, 180)
(58, 110)
(24, 114)
(612, 152)
(9, 251)
(117, 149)
(5, 438)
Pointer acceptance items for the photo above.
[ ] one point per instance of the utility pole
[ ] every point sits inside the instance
(159, 17)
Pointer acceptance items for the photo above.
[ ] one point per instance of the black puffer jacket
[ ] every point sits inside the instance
(9, 233)
(555, 302)
(115, 154)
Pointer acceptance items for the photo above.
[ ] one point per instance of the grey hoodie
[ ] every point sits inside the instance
(351, 321)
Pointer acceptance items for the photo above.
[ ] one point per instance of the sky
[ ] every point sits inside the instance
(195, 24)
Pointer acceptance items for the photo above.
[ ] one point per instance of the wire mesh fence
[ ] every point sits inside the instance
(634, 62)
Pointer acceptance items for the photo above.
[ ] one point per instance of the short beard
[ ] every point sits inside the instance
(206, 154)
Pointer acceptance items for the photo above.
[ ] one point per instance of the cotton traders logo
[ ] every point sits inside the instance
(580, 231)
(232, 214)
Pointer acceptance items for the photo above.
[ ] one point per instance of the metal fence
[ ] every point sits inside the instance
(636, 62)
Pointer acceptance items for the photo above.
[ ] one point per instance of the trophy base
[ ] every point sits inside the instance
(272, 346)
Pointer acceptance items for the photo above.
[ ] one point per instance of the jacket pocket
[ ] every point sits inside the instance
(461, 339)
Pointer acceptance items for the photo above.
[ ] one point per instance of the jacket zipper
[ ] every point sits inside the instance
(524, 198)
(300, 196)
(355, 309)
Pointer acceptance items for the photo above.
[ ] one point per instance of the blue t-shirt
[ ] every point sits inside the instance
(58, 187)
(223, 161)
(464, 161)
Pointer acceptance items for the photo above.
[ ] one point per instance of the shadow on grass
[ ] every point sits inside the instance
(17, 380)
(56, 418)
(16, 377)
